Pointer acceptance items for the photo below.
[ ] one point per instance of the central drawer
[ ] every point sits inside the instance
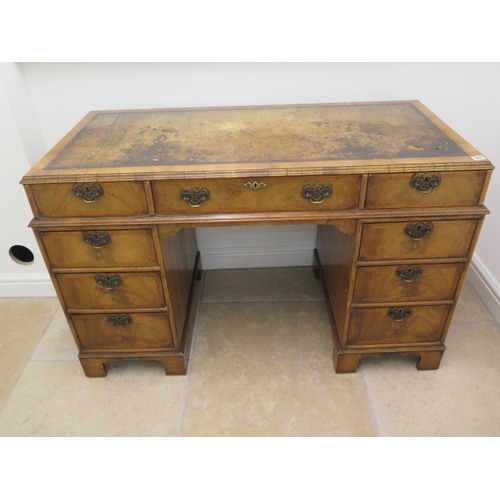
(110, 290)
(265, 194)
(135, 331)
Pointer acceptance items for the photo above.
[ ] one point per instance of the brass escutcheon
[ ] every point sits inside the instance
(108, 281)
(96, 239)
(120, 320)
(418, 230)
(399, 313)
(88, 192)
(425, 183)
(255, 186)
(409, 273)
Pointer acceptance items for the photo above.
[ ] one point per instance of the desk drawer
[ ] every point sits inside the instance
(134, 331)
(111, 290)
(397, 325)
(265, 194)
(90, 199)
(406, 283)
(99, 248)
(444, 189)
(426, 239)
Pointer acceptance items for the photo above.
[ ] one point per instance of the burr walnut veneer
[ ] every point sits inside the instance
(396, 194)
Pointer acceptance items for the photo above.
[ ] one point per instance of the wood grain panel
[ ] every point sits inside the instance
(179, 256)
(382, 284)
(280, 193)
(146, 331)
(388, 241)
(134, 248)
(374, 326)
(336, 254)
(119, 198)
(135, 290)
(394, 191)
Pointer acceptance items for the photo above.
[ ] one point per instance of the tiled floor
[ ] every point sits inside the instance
(261, 366)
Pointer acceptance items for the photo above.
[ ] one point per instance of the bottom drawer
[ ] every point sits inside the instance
(397, 325)
(123, 332)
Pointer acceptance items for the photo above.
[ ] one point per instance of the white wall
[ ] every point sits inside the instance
(464, 95)
(20, 144)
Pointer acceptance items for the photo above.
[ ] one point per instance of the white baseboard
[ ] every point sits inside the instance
(245, 258)
(486, 286)
(26, 286)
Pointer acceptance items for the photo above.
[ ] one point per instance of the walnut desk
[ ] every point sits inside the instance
(396, 194)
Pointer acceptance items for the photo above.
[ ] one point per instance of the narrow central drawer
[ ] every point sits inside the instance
(123, 332)
(90, 199)
(99, 248)
(111, 290)
(339, 192)
(416, 239)
(405, 283)
(396, 325)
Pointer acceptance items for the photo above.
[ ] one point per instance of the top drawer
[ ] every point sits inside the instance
(90, 199)
(266, 194)
(443, 189)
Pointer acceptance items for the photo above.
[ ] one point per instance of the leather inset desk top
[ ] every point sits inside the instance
(242, 135)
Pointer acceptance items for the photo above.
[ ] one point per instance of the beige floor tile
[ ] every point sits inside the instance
(22, 325)
(56, 399)
(265, 369)
(470, 308)
(277, 284)
(57, 344)
(461, 398)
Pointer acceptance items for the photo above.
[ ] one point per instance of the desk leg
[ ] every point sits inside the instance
(429, 360)
(345, 363)
(93, 367)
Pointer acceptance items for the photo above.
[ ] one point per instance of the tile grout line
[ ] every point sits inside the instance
(370, 402)
(29, 361)
(191, 357)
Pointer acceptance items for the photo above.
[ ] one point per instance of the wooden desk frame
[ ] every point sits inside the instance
(383, 222)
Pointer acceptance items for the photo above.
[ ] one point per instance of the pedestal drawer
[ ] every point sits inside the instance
(122, 332)
(443, 189)
(396, 325)
(90, 199)
(111, 290)
(416, 239)
(257, 194)
(99, 248)
(406, 283)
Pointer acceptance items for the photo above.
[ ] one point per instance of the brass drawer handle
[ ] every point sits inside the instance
(88, 192)
(119, 320)
(425, 183)
(399, 313)
(418, 230)
(108, 281)
(96, 239)
(195, 196)
(409, 274)
(255, 186)
(317, 193)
